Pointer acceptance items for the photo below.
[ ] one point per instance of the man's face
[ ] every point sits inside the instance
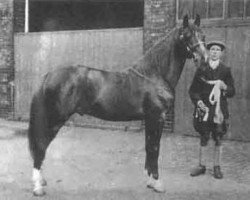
(215, 52)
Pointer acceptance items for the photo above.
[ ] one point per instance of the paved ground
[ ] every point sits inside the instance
(103, 164)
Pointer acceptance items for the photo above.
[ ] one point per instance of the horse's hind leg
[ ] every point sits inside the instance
(38, 157)
(42, 130)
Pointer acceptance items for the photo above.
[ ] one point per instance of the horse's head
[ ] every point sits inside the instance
(193, 39)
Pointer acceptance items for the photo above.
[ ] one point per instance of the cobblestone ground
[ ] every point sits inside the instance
(103, 164)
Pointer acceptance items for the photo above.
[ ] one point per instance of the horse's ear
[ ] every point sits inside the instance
(185, 21)
(197, 20)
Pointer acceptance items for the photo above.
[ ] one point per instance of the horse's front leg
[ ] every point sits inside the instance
(153, 131)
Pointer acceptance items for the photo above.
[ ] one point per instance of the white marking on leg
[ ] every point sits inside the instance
(159, 186)
(37, 182)
(150, 182)
(156, 185)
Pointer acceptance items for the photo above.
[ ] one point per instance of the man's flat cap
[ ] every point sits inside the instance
(218, 43)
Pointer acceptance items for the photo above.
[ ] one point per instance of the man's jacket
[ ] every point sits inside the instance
(200, 90)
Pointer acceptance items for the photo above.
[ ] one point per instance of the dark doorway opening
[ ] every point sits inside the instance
(58, 15)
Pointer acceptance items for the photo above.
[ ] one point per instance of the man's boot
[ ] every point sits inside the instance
(201, 169)
(217, 172)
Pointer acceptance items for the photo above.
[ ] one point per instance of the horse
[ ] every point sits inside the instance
(144, 91)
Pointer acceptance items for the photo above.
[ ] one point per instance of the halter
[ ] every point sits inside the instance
(192, 48)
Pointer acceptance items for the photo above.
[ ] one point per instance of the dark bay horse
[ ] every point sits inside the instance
(144, 91)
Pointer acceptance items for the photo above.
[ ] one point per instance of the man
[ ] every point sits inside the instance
(212, 85)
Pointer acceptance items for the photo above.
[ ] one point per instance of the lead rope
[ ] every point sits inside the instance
(214, 99)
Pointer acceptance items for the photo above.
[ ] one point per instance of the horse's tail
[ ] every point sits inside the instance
(38, 124)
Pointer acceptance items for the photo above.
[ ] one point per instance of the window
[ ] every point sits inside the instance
(214, 9)
(56, 15)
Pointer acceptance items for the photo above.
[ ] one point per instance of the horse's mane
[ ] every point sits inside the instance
(160, 40)
(155, 57)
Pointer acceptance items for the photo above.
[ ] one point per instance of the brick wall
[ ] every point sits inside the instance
(19, 16)
(6, 57)
(159, 19)
(6, 36)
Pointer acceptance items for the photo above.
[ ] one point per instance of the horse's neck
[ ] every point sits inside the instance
(165, 60)
(174, 70)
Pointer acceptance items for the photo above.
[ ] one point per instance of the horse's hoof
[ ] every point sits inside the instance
(156, 185)
(39, 192)
(150, 182)
(159, 187)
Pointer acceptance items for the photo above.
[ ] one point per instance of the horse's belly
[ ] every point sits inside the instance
(116, 98)
(116, 112)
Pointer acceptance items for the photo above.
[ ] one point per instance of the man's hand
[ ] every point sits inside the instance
(222, 85)
(202, 106)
